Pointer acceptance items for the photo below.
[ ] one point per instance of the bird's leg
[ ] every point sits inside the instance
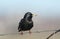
(29, 32)
(21, 32)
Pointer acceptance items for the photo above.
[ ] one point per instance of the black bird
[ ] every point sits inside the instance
(26, 23)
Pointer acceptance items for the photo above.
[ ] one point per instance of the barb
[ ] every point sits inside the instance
(53, 33)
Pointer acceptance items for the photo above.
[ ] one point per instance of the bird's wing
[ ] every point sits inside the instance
(20, 24)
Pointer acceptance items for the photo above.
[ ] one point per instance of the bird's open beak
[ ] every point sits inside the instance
(34, 14)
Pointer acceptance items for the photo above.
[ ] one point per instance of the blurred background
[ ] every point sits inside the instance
(11, 12)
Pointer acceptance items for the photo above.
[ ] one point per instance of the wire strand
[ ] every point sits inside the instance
(27, 32)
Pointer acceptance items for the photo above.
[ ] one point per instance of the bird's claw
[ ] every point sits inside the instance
(21, 33)
(30, 32)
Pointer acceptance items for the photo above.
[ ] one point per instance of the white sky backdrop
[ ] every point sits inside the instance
(43, 7)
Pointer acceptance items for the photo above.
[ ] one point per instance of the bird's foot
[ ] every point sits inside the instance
(30, 32)
(21, 33)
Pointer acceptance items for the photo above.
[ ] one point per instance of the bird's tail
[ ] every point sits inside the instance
(19, 29)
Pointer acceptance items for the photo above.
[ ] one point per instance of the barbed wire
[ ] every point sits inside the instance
(53, 33)
(27, 32)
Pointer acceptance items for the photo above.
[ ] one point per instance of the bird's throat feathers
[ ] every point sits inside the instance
(29, 21)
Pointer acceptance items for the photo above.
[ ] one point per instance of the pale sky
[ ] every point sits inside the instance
(42, 7)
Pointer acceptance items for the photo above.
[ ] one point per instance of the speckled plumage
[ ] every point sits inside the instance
(26, 23)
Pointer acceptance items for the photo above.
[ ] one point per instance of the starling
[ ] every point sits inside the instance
(26, 23)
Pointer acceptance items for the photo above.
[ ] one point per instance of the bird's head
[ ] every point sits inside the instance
(28, 16)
